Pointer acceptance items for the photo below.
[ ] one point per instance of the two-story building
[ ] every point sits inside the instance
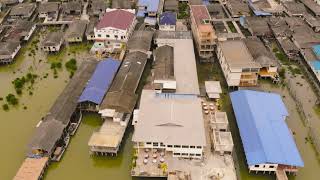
(8, 50)
(114, 29)
(237, 64)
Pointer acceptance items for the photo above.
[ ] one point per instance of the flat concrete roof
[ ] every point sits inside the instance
(237, 54)
(170, 119)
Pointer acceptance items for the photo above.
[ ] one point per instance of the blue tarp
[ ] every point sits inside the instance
(265, 135)
(152, 5)
(100, 81)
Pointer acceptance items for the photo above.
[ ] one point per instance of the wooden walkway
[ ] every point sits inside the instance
(281, 175)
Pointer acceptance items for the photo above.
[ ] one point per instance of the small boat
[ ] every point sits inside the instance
(74, 126)
(59, 151)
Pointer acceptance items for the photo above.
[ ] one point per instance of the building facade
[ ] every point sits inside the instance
(203, 32)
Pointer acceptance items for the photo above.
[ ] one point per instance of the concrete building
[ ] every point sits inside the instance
(219, 121)
(22, 11)
(203, 33)
(111, 34)
(167, 21)
(238, 66)
(75, 31)
(21, 31)
(213, 89)
(267, 141)
(8, 51)
(49, 11)
(222, 142)
(53, 42)
(90, 29)
(72, 8)
(140, 41)
(165, 122)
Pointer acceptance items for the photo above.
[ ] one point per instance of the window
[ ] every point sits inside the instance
(191, 154)
(184, 154)
(148, 143)
(170, 146)
(198, 154)
(177, 146)
(155, 144)
(162, 145)
(256, 166)
(116, 36)
(271, 166)
(185, 146)
(107, 35)
(199, 147)
(176, 154)
(193, 147)
(99, 35)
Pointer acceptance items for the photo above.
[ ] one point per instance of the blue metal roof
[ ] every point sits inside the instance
(265, 135)
(168, 18)
(141, 13)
(152, 5)
(100, 81)
(316, 50)
(316, 65)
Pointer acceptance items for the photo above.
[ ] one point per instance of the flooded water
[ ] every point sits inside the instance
(18, 125)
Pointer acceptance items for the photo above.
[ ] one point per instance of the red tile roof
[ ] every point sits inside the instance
(119, 19)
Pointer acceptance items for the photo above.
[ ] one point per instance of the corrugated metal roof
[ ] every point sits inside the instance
(152, 5)
(168, 18)
(100, 81)
(120, 19)
(265, 135)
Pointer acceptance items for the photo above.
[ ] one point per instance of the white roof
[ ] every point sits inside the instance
(185, 69)
(171, 119)
(213, 87)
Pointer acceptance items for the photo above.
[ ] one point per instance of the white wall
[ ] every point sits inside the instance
(177, 150)
(167, 27)
(263, 167)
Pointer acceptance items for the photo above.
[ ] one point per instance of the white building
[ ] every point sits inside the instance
(166, 121)
(114, 29)
(222, 142)
(8, 51)
(237, 64)
(219, 121)
(213, 89)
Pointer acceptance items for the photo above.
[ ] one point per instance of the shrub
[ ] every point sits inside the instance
(11, 99)
(5, 107)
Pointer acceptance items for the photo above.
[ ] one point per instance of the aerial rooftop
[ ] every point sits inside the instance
(170, 119)
(265, 135)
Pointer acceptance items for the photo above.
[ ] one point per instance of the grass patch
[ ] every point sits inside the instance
(316, 109)
(231, 26)
(183, 11)
(71, 67)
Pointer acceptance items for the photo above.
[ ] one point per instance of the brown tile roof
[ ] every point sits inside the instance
(119, 19)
